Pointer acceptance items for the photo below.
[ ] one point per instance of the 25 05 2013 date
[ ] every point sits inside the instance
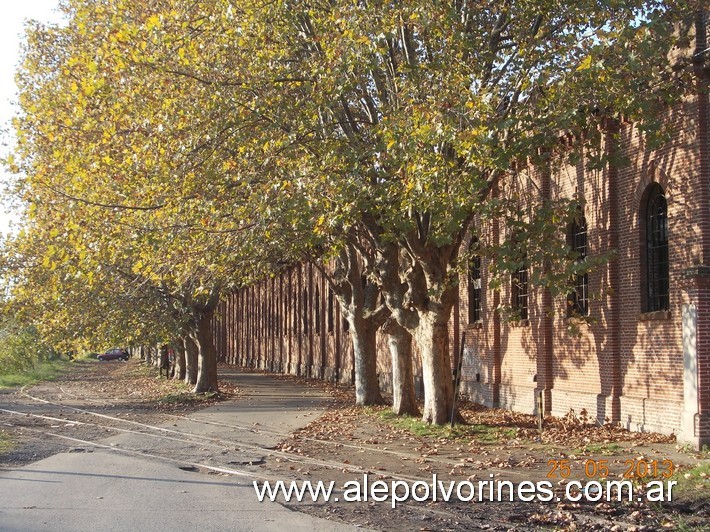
(637, 468)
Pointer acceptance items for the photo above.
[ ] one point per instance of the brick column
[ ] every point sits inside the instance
(310, 313)
(612, 356)
(545, 376)
(695, 419)
(323, 325)
(300, 305)
(223, 320)
(497, 347)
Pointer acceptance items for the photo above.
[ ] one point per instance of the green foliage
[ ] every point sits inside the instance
(21, 348)
(40, 372)
(136, 220)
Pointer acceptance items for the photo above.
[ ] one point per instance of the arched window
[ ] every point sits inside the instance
(578, 300)
(519, 291)
(474, 285)
(656, 250)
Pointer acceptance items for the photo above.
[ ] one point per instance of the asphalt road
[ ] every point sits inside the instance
(194, 474)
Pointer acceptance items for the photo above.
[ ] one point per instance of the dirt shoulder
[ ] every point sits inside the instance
(126, 390)
(496, 446)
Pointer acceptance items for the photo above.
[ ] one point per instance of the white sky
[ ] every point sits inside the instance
(12, 18)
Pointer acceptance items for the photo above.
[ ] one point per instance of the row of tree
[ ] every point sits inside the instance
(172, 151)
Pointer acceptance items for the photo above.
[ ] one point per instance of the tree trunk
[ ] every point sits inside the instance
(180, 361)
(432, 337)
(359, 301)
(431, 291)
(190, 360)
(148, 355)
(206, 354)
(404, 401)
(364, 336)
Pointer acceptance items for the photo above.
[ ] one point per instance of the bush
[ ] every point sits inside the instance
(21, 348)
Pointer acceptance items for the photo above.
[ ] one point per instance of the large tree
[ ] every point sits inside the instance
(402, 119)
(119, 168)
(191, 120)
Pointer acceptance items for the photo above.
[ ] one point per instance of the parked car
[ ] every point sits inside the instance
(114, 354)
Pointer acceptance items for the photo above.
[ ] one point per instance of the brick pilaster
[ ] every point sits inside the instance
(545, 352)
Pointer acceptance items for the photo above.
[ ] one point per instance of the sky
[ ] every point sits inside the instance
(12, 19)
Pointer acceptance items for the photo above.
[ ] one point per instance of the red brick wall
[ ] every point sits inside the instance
(624, 366)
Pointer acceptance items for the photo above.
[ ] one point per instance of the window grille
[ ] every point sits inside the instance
(474, 287)
(519, 292)
(657, 265)
(578, 300)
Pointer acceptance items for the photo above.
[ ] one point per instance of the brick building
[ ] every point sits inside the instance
(642, 353)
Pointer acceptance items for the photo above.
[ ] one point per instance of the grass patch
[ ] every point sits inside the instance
(89, 356)
(5, 442)
(690, 494)
(488, 434)
(186, 398)
(606, 449)
(143, 369)
(699, 454)
(179, 398)
(41, 372)
(177, 392)
(482, 433)
(694, 483)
